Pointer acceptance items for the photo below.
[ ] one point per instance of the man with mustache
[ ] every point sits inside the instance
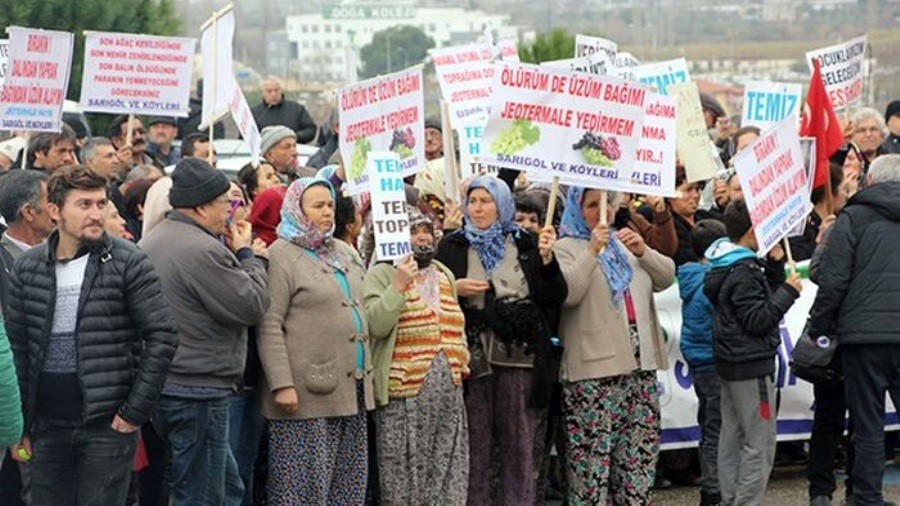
(132, 154)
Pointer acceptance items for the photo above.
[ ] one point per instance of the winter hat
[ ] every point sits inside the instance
(893, 109)
(168, 120)
(709, 102)
(195, 182)
(433, 123)
(272, 135)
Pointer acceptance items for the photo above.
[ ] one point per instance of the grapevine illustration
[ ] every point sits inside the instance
(403, 143)
(362, 146)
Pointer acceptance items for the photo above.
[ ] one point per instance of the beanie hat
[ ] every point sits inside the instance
(709, 102)
(272, 135)
(893, 109)
(168, 120)
(195, 182)
(433, 123)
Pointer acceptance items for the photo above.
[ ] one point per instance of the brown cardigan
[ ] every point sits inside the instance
(594, 332)
(659, 235)
(308, 337)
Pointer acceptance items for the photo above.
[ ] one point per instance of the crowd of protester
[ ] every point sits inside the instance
(175, 337)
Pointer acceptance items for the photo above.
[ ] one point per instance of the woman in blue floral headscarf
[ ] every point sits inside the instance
(508, 283)
(613, 347)
(314, 349)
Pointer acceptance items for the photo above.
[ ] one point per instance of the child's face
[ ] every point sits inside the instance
(749, 240)
(528, 221)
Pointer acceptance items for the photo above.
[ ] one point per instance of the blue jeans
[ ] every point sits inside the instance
(245, 430)
(201, 468)
(84, 465)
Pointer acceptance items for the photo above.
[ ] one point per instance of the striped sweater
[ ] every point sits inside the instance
(421, 335)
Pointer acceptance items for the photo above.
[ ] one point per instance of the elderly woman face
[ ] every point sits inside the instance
(482, 209)
(318, 207)
(115, 224)
(590, 208)
(421, 235)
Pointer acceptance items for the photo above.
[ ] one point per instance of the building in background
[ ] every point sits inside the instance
(319, 43)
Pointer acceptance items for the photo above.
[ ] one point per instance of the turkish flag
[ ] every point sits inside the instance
(819, 121)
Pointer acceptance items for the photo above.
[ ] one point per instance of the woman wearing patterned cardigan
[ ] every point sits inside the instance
(420, 359)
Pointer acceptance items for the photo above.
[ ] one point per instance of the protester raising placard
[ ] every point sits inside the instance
(842, 70)
(390, 221)
(382, 114)
(137, 74)
(774, 182)
(35, 87)
(564, 123)
(767, 103)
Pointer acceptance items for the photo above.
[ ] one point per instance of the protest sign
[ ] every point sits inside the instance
(126, 73)
(35, 87)
(470, 134)
(390, 221)
(597, 63)
(585, 45)
(382, 114)
(774, 183)
(694, 147)
(464, 74)
(4, 59)
(653, 172)
(808, 148)
(661, 75)
(842, 70)
(218, 77)
(507, 50)
(767, 103)
(624, 65)
(564, 123)
(243, 117)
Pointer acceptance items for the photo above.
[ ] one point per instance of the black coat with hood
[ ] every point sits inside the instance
(749, 298)
(126, 334)
(858, 301)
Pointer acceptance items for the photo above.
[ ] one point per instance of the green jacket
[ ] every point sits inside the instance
(10, 401)
(383, 306)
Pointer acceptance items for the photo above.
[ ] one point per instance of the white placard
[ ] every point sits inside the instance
(766, 103)
(38, 77)
(465, 74)
(470, 134)
(126, 73)
(565, 123)
(382, 114)
(390, 221)
(694, 146)
(842, 70)
(597, 63)
(586, 45)
(218, 77)
(243, 117)
(774, 182)
(661, 75)
(4, 59)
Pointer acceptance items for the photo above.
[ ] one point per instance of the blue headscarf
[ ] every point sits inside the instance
(490, 244)
(613, 259)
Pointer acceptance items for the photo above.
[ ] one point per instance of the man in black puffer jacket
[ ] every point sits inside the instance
(92, 338)
(857, 303)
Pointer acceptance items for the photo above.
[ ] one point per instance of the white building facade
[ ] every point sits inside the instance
(322, 41)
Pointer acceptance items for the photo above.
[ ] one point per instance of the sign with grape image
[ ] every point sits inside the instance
(382, 114)
(555, 122)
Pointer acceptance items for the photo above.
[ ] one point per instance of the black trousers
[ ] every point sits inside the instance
(829, 421)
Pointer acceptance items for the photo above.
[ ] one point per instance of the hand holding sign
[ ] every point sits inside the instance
(546, 241)
(406, 272)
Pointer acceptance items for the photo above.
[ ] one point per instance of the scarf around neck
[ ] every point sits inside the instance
(490, 243)
(613, 260)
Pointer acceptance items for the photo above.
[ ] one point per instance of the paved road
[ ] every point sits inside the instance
(787, 488)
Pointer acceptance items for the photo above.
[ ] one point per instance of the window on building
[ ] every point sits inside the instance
(314, 28)
(327, 28)
(305, 44)
(327, 44)
(304, 28)
(431, 27)
(293, 50)
(337, 28)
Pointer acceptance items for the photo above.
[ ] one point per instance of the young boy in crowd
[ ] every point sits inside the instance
(749, 297)
(529, 213)
(697, 347)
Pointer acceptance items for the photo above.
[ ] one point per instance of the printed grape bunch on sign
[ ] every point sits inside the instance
(382, 114)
